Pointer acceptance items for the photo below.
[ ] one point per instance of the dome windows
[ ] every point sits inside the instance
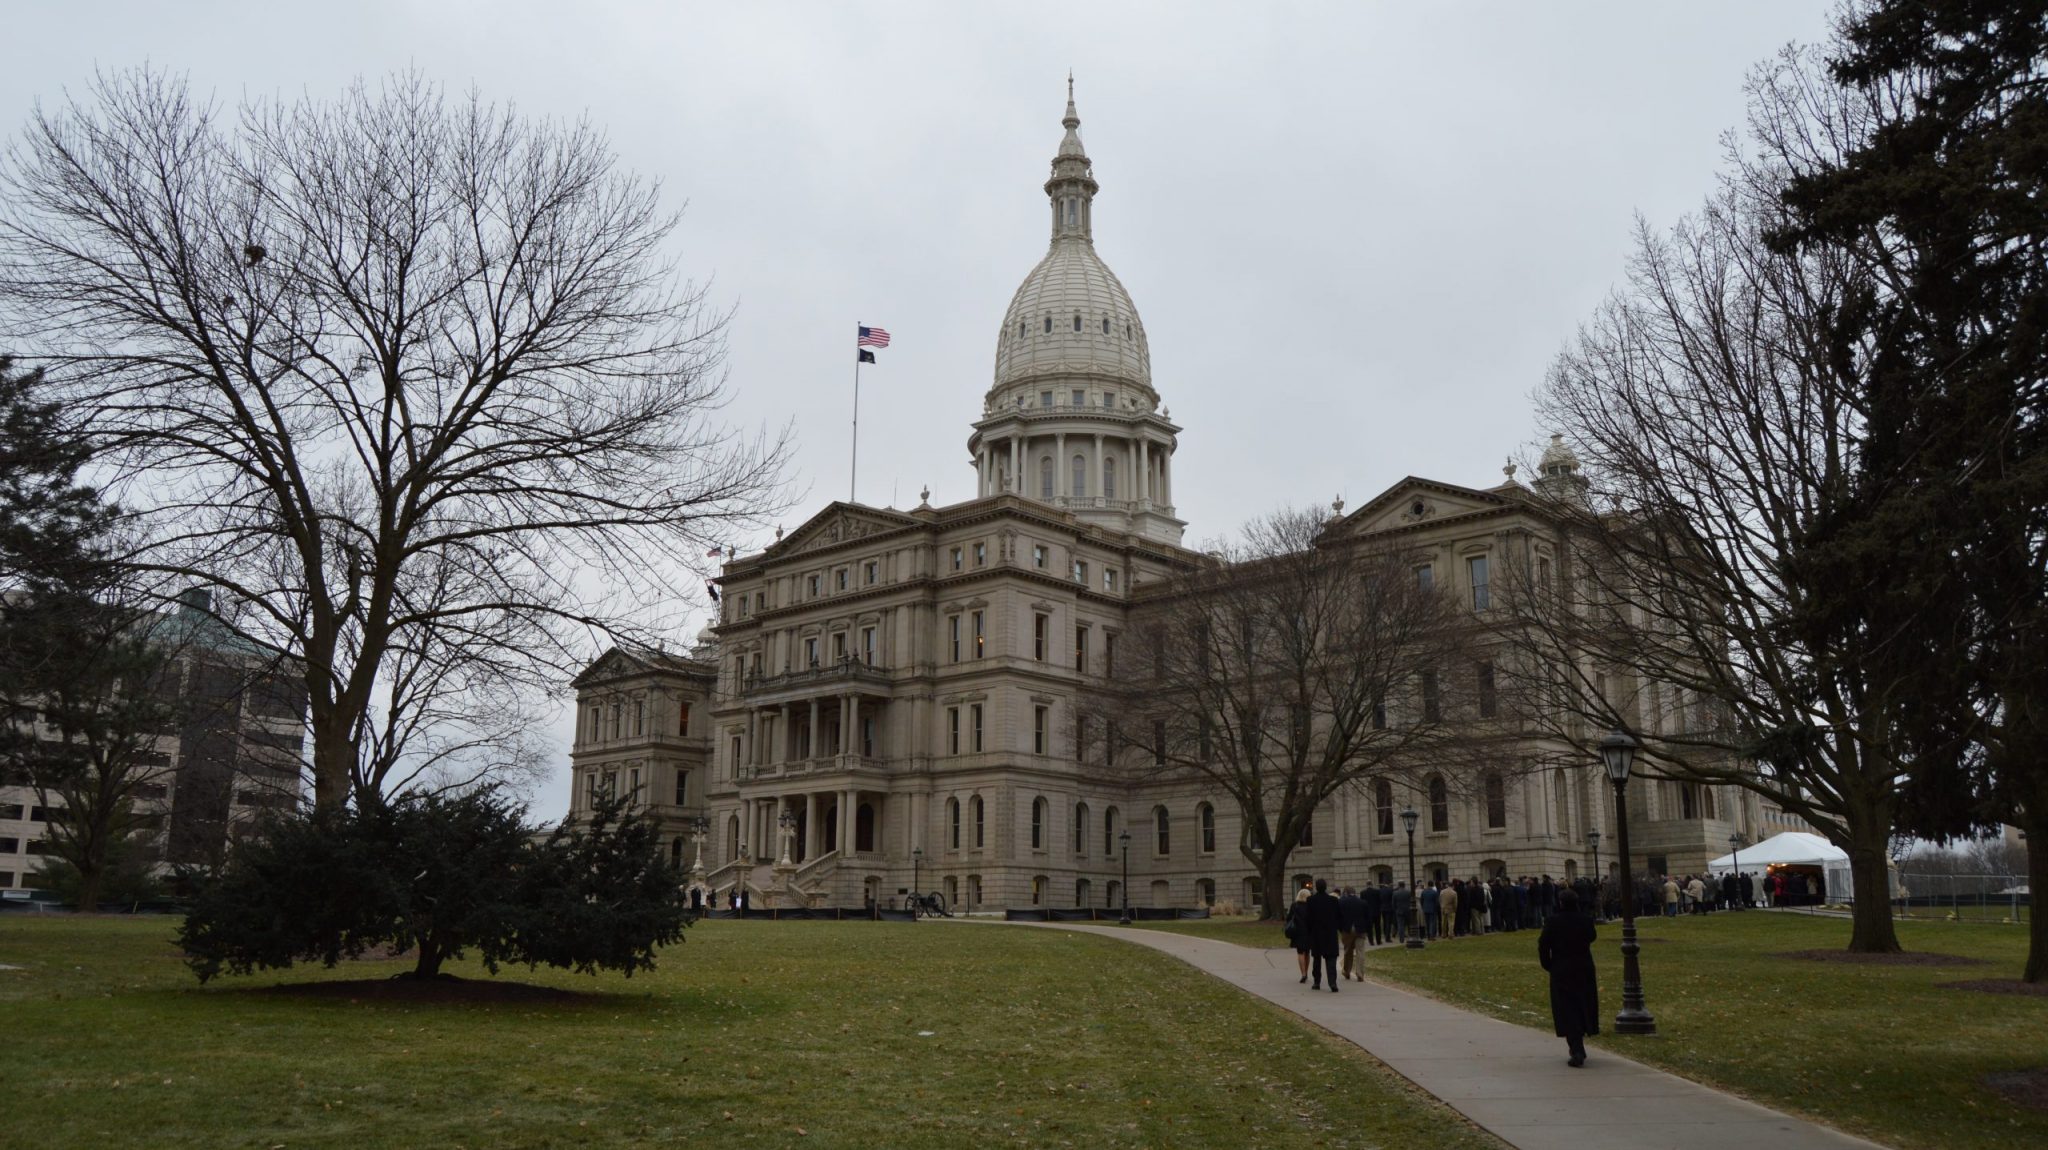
(1077, 321)
(1048, 325)
(1105, 325)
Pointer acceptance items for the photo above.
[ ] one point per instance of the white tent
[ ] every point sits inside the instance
(1797, 848)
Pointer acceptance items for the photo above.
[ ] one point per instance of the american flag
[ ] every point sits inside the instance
(872, 337)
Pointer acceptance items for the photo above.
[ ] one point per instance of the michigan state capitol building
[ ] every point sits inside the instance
(887, 690)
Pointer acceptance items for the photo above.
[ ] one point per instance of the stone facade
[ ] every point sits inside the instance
(915, 675)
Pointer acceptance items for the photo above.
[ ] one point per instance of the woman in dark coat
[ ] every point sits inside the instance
(1566, 951)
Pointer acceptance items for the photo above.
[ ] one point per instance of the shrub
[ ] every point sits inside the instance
(443, 875)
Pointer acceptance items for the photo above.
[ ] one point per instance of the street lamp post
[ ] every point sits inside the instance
(787, 821)
(916, 868)
(1123, 839)
(699, 827)
(1408, 817)
(1618, 756)
(1599, 876)
(1735, 860)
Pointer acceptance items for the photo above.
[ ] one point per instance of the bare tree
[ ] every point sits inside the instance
(1721, 426)
(411, 381)
(1298, 664)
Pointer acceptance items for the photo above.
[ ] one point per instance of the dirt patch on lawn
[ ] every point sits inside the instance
(1910, 958)
(426, 990)
(2028, 1088)
(1997, 986)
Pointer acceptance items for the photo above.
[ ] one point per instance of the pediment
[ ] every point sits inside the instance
(1417, 502)
(613, 664)
(837, 524)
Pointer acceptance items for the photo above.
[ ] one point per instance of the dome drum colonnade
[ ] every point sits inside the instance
(1071, 418)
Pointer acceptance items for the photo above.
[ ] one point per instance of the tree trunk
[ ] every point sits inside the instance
(334, 762)
(89, 882)
(1870, 870)
(1273, 878)
(2035, 823)
(429, 963)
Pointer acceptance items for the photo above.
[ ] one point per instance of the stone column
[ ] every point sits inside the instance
(849, 834)
(788, 737)
(1144, 461)
(812, 835)
(1061, 478)
(853, 739)
(1095, 466)
(1016, 464)
(817, 747)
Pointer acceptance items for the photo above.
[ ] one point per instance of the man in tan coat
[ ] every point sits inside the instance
(1670, 897)
(1448, 902)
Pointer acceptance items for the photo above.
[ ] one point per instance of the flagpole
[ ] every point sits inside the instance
(853, 474)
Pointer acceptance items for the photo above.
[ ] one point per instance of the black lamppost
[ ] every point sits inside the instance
(1123, 839)
(1618, 755)
(1408, 817)
(916, 895)
(1599, 876)
(1735, 859)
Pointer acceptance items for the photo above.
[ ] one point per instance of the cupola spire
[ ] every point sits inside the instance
(1072, 186)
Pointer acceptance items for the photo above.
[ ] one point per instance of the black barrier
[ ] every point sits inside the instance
(1102, 914)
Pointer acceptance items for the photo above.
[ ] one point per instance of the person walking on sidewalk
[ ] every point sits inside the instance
(1297, 923)
(1323, 915)
(1566, 950)
(1348, 930)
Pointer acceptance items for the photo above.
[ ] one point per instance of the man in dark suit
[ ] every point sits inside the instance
(1566, 951)
(1747, 886)
(1403, 901)
(1323, 916)
(1353, 913)
(1369, 913)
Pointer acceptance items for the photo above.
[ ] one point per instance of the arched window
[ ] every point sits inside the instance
(1496, 802)
(1080, 892)
(1045, 477)
(1080, 476)
(1077, 321)
(1020, 328)
(864, 827)
(1706, 802)
(1109, 477)
(1562, 801)
(1205, 817)
(1105, 325)
(1382, 807)
(953, 824)
(1038, 807)
(732, 838)
(1048, 325)
(974, 812)
(1439, 804)
(1080, 828)
(1162, 823)
(1109, 832)
(1038, 890)
(1111, 890)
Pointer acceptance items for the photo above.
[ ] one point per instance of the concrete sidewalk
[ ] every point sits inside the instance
(1511, 1080)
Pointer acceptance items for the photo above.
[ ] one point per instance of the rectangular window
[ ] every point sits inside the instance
(974, 717)
(867, 737)
(639, 716)
(1109, 579)
(1045, 399)
(760, 600)
(1109, 653)
(682, 788)
(957, 561)
(814, 586)
(953, 636)
(1431, 712)
(1038, 731)
(1080, 398)
(981, 554)
(1425, 577)
(867, 645)
(683, 718)
(1080, 573)
(1486, 695)
(743, 606)
(1040, 625)
(633, 795)
(735, 760)
(10, 846)
(869, 572)
(6, 878)
(811, 651)
(1038, 556)
(1080, 738)
(1159, 742)
(839, 578)
(980, 637)
(952, 730)
(1543, 573)
(1081, 649)
(1475, 570)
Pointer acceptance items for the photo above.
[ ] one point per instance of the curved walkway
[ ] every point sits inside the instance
(1511, 1080)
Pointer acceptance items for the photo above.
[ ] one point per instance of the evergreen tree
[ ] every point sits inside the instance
(1946, 200)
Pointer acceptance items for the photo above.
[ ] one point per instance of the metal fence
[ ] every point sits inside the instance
(1962, 897)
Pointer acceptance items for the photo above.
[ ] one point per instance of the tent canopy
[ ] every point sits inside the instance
(1794, 848)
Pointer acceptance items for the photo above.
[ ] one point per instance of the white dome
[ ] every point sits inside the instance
(1072, 317)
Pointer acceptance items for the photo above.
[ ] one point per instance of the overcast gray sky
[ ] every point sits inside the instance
(1357, 232)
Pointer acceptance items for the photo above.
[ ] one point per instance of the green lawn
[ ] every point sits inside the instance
(1878, 1050)
(797, 1033)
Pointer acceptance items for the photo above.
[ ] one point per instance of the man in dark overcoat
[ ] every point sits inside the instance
(1352, 925)
(1323, 916)
(1370, 912)
(1403, 902)
(1747, 886)
(1566, 950)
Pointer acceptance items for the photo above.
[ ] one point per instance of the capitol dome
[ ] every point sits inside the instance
(1071, 319)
